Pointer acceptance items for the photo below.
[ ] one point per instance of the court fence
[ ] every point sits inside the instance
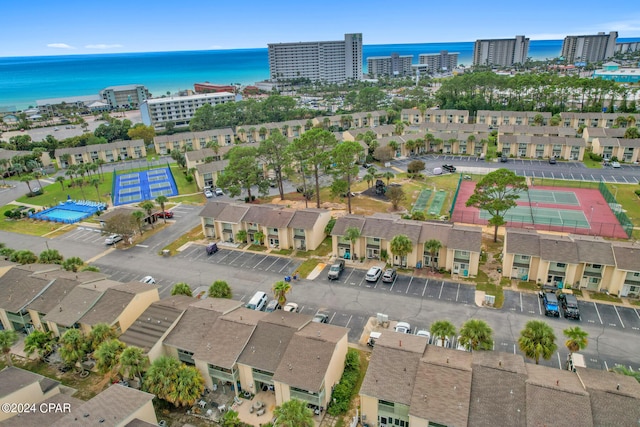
(624, 220)
(604, 229)
(455, 196)
(113, 189)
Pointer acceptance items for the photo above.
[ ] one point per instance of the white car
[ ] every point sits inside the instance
(460, 346)
(113, 239)
(423, 333)
(148, 280)
(291, 307)
(219, 192)
(438, 342)
(403, 328)
(615, 165)
(208, 194)
(373, 274)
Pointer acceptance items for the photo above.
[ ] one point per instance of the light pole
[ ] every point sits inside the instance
(591, 216)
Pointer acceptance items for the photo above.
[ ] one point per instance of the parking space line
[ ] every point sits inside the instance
(409, 287)
(441, 287)
(252, 256)
(392, 285)
(539, 307)
(263, 258)
(521, 308)
(636, 311)
(606, 366)
(288, 262)
(359, 284)
(200, 255)
(334, 315)
(349, 276)
(268, 268)
(425, 287)
(559, 361)
(234, 260)
(598, 312)
(458, 292)
(222, 259)
(614, 307)
(348, 321)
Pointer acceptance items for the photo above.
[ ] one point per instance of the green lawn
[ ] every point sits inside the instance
(592, 164)
(25, 226)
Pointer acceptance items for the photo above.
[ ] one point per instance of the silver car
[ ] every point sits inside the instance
(373, 274)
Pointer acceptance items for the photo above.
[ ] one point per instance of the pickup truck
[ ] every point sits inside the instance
(335, 270)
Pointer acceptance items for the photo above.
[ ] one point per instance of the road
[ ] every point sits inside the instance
(349, 301)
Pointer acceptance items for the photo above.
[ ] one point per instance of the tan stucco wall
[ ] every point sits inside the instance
(246, 377)
(282, 391)
(335, 368)
(145, 413)
(369, 408)
(137, 306)
(418, 422)
(29, 394)
(5, 319)
(203, 367)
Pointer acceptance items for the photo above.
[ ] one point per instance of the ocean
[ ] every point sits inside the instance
(23, 80)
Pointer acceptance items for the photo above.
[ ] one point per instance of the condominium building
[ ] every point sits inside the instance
(431, 63)
(591, 48)
(501, 52)
(329, 61)
(126, 96)
(391, 66)
(179, 110)
(627, 47)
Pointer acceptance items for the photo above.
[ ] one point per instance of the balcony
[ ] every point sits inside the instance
(313, 398)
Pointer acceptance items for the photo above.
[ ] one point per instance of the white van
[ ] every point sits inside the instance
(258, 301)
(437, 171)
(575, 360)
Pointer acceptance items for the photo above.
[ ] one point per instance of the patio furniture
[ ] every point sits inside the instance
(222, 408)
(257, 404)
(261, 412)
(202, 403)
(237, 400)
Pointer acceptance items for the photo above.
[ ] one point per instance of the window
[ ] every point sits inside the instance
(561, 264)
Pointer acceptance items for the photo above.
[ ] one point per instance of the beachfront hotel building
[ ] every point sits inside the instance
(590, 48)
(327, 61)
(432, 63)
(125, 96)
(179, 109)
(501, 52)
(390, 66)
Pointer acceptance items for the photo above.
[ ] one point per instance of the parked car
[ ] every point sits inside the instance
(366, 165)
(336, 270)
(438, 342)
(389, 275)
(615, 165)
(113, 239)
(165, 214)
(291, 307)
(272, 306)
(504, 159)
(219, 192)
(148, 280)
(552, 160)
(550, 301)
(320, 318)
(449, 168)
(403, 328)
(373, 274)
(460, 346)
(569, 304)
(212, 248)
(423, 333)
(208, 194)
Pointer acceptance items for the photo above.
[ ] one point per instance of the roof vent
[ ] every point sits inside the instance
(60, 309)
(618, 387)
(85, 415)
(101, 420)
(557, 382)
(447, 360)
(499, 362)
(400, 343)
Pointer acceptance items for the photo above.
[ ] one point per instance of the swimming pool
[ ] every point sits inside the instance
(69, 212)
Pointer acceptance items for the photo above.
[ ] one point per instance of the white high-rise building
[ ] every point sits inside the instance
(432, 63)
(328, 61)
(593, 48)
(501, 52)
(391, 66)
(179, 109)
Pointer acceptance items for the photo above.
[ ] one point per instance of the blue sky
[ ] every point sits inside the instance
(63, 27)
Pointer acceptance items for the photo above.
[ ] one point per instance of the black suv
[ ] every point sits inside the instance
(569, 304)
(449, 168)
(551, 307)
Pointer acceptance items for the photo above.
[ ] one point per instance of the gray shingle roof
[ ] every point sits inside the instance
(223, 343)
(595, 251)
(345, 222)
(498, 397)
(522, 242)
(558, 249)
(77, 302)
(306, 219)
(215, 166)
(213, 209)
(13, 379)
(101, 407)
(627, 256)
(192, 327)
(266, 346)
(233, 214)
(52, 296)
(435, 231)
(18, 287)
(43, 418)
(465, 238)
(109, 307)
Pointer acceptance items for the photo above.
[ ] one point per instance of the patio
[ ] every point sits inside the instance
(258, 410)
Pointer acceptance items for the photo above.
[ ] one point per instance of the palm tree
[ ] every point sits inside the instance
(576, 339)
(369, 177)
(26, 179)
(60, 179)
(388, 176)
(181, 288)
(293, 413)
(623, 370)
(50, 256)
(280, 290)
(476, 335)
(220, 289)
(187, 388)
(133, 362)
(161, 200)
(241, 236)
(138, 216)
(107, 355)
(433, 246)
(100, 162)
(8, 338)
(96, 183)
(80, 183)
(148, 208)
(632, 133)
(39, 342)
(72, 264)
(258, 237)
(161, 376)
(537, 340)
(442, 329)
(401, 246)
(37, 175)
(73, 346)
(352, 234)
(100, 333)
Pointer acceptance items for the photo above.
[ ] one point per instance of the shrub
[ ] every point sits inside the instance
(637, 193)
(345, 389)
(595, 157)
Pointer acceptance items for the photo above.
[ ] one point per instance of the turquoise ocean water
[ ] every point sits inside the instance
(23, 80)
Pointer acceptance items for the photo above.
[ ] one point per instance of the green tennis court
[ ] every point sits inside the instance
(544, 216)
(437, 202)
(421, 202)
(552, 197)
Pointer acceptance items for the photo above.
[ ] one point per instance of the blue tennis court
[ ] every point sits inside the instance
(135, 187)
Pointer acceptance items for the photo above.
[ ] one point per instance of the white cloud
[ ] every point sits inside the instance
(102, 46)
(60, 46)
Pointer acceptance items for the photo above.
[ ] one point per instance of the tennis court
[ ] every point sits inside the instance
(543, 216)
(135, 187)
(421, 202)
(553, 197)
(437, 202)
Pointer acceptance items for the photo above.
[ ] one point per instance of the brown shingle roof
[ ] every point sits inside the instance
(541, 400)
(213, 209)
(13, 379)
(595, 251)
(436, 231)
(611, 409)
(52, 295)
(627, 256)
(83, 277)
(155, 321)
(101, 407)
(441, 393)
(233, 214)
(18, 287)
(278, 218)
(306, 219)
(345, 222)
(223, 343)
(43, 418)
(609, 382)
(192, 327)
(108, 308)
(522, 242)
(73, 306)
(558, 249)
(266, 346)
(257, 214)
(465, 238)
(498, 397)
